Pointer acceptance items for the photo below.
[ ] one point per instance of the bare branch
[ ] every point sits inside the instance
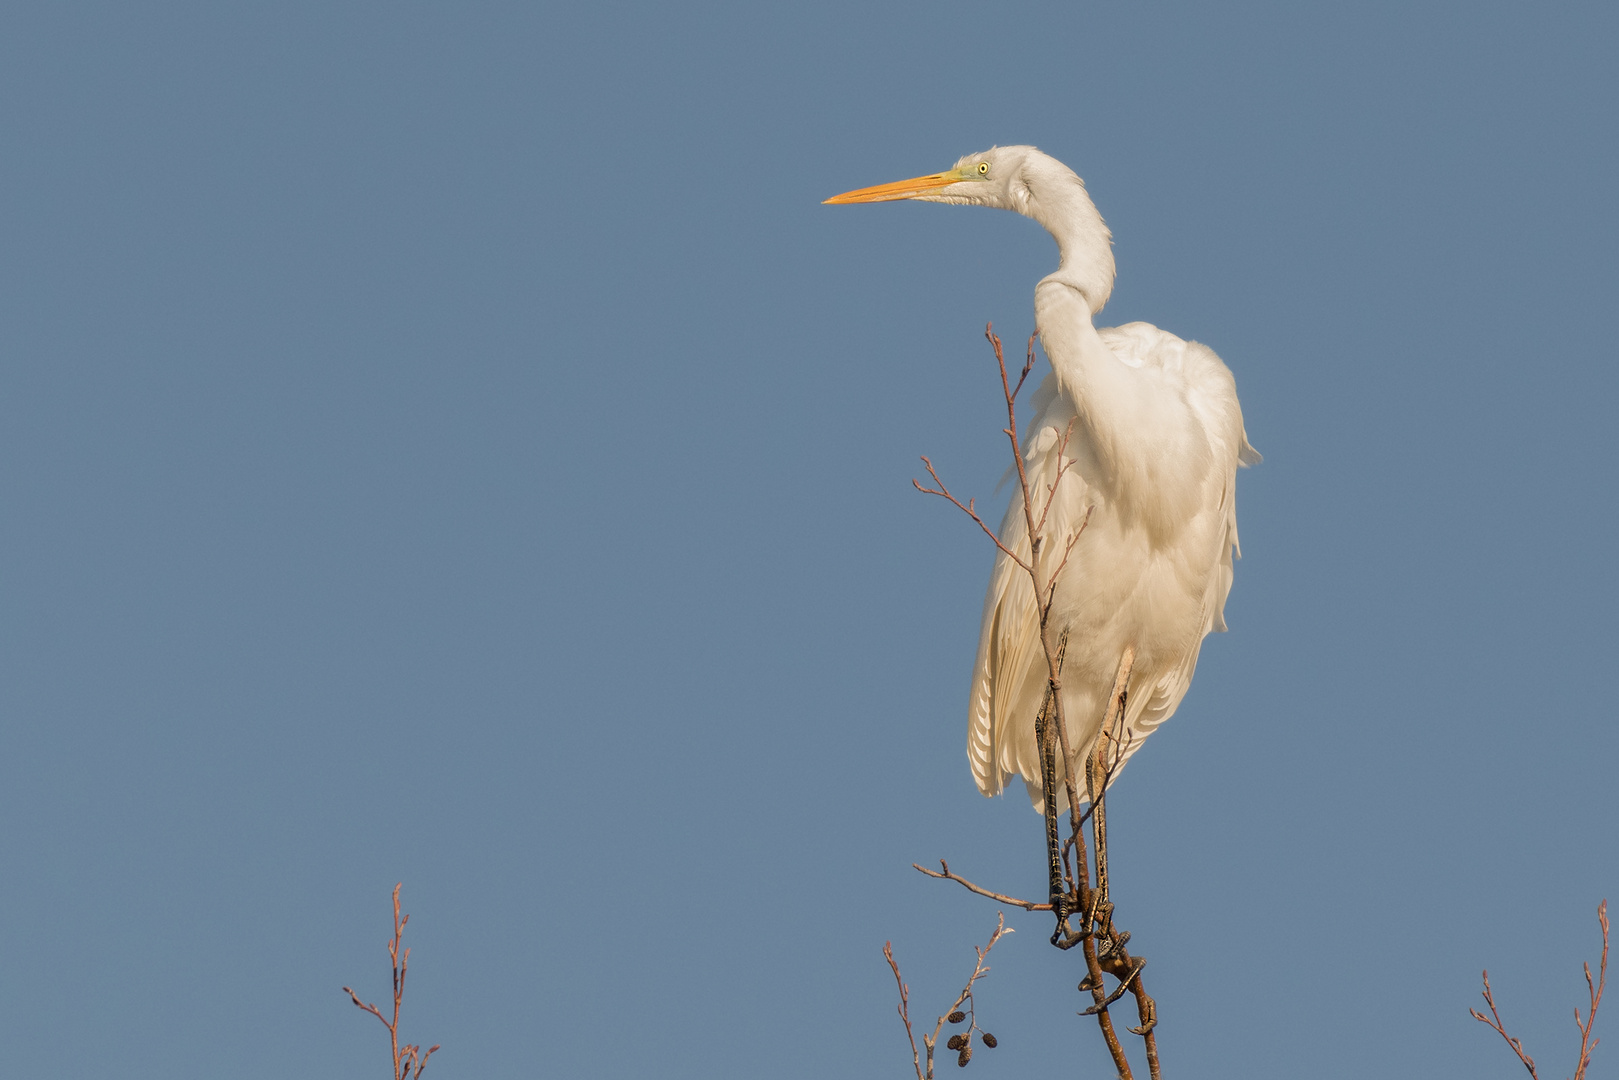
(1051, 589)
(372, 1009)
(944, 493)
(1494, 1021)
(408, 1061)
(421, 1064)
(1064, 463)
(947, 875)
(905, 1012)
(1594, 988)
(1588, 1044)
(1028, 362)
(962, 1042)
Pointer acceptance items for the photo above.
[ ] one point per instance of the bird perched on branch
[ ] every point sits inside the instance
(1135, 444)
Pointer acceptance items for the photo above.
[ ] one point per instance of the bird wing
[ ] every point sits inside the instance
(1009, 678)
(1211, 393)
(1006, 646)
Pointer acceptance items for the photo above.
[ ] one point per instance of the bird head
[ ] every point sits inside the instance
(1025, 181)
(992, 178)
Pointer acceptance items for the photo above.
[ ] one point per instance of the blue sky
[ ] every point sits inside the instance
(452, 444)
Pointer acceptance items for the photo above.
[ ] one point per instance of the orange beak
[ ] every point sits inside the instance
(899, 189)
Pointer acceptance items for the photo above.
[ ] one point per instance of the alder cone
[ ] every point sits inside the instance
(989, 1040)
(965, 1056)
(956, 1017)
(955, 1042)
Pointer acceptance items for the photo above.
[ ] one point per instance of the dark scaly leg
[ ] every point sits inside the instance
(1048, 790)
(1099, 768)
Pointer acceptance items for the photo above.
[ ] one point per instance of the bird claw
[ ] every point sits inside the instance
(1124, 985)
(1070, 939)
(1149, 1016)
(1065, 936)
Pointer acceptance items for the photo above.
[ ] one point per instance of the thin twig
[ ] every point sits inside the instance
(980, 969)
(1045, 592)
(1588, 1044)
(1594, 988)
(1051, 589)
(1028, 358)
(944, 493)
(409, 1061)
(1064, 463)
(924, 1071)
(948, 875)
(905, 1012)
(1494, 1021)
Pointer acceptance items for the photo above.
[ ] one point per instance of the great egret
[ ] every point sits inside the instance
(1154, 432)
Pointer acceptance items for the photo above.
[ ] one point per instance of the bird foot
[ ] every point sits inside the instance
(1149, 1016)
(1124, 985)
(1065, 936)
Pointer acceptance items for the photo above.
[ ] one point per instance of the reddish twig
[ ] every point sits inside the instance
(946, 875)
(1494, 1021)
(1588, 1044)
(944, 493)
(1051, 588)
(1064, 463)
(1593, 988)
(409, 1060)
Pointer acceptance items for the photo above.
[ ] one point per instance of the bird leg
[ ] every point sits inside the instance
(1129, 976)
(1099, 769)
(1110, 950)
(1048, 791)
(1100, 908)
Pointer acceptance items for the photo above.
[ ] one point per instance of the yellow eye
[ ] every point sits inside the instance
(983, 168)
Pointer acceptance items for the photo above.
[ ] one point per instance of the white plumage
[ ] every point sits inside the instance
(1156, 439)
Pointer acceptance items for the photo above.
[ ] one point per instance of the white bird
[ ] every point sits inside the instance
(1156, 440)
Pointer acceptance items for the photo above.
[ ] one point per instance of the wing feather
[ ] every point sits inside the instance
(1006, 652)
(1009, 676)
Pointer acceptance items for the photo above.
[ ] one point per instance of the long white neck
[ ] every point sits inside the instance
(1055, 197)
(1066, 301)
(1124, 427)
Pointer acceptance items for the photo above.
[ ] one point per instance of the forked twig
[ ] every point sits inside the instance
(1494, 1021)
(1593, 988)
(968, 509)
(409, 1060)
(1588, 1044)
(961, 1042)
(905, 1013)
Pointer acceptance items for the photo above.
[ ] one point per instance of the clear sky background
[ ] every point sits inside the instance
(452, 444)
